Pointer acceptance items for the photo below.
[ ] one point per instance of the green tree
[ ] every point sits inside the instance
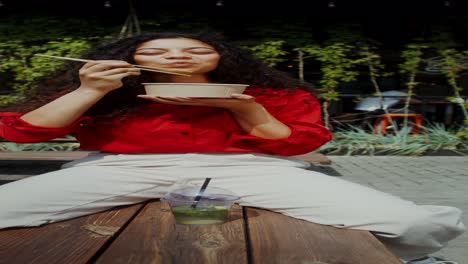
(18, 60)
(412, 56)
(376, 69)
(338, 65)
(270, 52)
(453, 65)
(20, 40)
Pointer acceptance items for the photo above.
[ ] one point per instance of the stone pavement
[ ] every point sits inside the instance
(437, 180)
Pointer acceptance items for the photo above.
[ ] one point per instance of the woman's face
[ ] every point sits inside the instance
(178, 53)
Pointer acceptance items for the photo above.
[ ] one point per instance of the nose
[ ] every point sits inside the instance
(177, 55)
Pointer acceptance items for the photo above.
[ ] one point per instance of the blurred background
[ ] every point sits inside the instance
(293, 36)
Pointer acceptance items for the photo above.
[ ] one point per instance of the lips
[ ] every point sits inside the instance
(180, 64)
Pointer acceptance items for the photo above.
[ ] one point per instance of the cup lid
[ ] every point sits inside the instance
(211, 193)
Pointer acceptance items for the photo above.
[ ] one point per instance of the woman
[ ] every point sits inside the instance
(150, 145)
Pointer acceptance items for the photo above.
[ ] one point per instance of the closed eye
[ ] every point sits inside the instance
(201, 52)
(148, 53)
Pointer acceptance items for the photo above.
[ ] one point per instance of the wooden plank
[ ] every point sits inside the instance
(72, 242)
(55, 140)
(73, 155)
(154, 237)
(43, 155)
(276, 238)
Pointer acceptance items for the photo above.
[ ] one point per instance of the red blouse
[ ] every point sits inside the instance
(162, 128)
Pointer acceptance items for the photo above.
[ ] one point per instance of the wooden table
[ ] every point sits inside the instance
(147, 233)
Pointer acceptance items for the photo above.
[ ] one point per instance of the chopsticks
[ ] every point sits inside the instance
(143, 68)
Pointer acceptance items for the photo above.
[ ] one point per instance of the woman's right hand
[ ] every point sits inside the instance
(97, 79)
(104, 76)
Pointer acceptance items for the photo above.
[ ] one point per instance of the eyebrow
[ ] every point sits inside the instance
(155, 48)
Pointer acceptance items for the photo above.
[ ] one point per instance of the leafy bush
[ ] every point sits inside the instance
(18, 60)
(20, 40)
(69, 145)
(10, 146)
(355, 140)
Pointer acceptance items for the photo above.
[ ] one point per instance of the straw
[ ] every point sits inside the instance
(200, 193)
(143, 68)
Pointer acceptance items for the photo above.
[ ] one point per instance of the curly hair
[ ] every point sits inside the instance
(235, 66)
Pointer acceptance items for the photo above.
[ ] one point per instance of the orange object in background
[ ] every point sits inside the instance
(386, 119)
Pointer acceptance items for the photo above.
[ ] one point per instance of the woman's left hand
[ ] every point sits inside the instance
(236, 103)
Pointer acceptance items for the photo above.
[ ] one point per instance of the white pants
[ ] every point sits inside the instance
(103, 181)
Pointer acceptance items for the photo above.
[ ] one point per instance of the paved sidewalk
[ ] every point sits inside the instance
(436, 180)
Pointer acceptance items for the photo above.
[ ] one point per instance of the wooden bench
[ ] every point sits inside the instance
(72, 155)
(147, 233)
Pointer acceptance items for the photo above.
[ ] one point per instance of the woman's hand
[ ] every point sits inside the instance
(104, 76)
(97, 79)
(237, 102)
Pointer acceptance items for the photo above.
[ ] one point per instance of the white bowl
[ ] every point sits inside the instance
(218, 90)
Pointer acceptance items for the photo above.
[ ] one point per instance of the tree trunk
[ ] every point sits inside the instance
(301, 65)
(379, 94)
(460, 101)
(408, 99)
(131, 23)
(326, 115)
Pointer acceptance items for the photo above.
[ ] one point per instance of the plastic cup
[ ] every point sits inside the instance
(213, 207)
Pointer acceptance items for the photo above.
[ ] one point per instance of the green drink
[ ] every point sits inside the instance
(192, 207)
(201, 215)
